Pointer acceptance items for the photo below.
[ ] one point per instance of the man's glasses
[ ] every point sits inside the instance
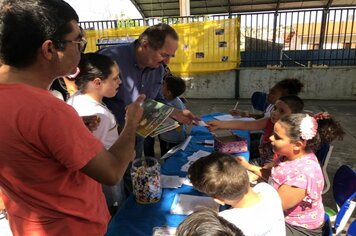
(82, 43)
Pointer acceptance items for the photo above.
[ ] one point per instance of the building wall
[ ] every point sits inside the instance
(319, 83)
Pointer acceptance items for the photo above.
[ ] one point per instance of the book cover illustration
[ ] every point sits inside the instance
(167, 125)
(154, 115)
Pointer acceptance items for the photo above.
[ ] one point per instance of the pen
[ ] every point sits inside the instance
(237, 103)
(206, 144)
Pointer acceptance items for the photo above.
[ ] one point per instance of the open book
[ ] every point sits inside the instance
(155, 119)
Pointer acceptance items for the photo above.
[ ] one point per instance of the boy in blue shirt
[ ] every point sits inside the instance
(172, 88)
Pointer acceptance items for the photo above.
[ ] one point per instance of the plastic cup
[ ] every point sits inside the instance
(146, 181)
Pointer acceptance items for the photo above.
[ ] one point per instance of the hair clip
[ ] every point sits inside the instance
(308, 127)
(322, 116)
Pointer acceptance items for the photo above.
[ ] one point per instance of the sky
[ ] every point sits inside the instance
(94, 10)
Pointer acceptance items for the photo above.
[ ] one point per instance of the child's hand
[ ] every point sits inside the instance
(214, 125)
(243, 162)
(92, 122)
(252, 177)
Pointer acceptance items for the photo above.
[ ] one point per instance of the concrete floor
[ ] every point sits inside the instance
(344, 151)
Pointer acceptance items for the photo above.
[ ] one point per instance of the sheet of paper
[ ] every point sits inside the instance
(164, 231)
(228, 117)
(181, 146)
(186, 166)
(199, 123)
(184, 204)
(196, 155)
(186, 142)
(171, 181)
(191, 159)
(187, 182)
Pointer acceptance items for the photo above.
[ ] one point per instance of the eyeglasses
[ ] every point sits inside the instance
(82, 43)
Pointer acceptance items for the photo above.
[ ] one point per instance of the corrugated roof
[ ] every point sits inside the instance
(167, 8)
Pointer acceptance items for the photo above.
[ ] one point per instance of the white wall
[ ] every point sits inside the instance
(319, 83)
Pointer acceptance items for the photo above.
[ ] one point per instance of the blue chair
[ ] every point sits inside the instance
(344, 184)
(323, 155)
(352, 229)
(327, 229)
(259, 101)
(344, 191)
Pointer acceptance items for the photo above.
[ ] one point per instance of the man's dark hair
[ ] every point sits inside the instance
(157, 34)
(207, 222)
(25, 25)
(176, 85)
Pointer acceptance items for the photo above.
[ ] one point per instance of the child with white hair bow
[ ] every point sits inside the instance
(296, 174)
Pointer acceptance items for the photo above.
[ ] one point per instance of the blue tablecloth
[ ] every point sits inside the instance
(139, 219)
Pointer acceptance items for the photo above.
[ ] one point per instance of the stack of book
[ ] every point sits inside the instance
(155, 119)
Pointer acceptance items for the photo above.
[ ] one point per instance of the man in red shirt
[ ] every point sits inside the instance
(51, 165)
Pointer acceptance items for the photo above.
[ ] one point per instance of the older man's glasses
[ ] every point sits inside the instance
(82, 43)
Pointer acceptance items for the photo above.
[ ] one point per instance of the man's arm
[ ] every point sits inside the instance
(183, 116)
(108, 167)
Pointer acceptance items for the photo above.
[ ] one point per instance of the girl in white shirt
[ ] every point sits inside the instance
(98, 78)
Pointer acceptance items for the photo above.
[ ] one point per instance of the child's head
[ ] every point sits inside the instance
(329, 129)
(173, 86)
(300, 131)
(220, 176)
(98, 73)
(286, 105)
(206, 221)
(283, 88)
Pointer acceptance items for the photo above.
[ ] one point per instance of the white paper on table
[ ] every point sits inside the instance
(181, 146)
(228, 117)
(200, 123)
(186, 142)
(187, 182)
(164, 231)
(196, 155)
(184, 204)
(171, 181)
(186, 166)
(191, 159)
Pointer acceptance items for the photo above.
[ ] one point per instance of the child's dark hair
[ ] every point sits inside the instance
(289, 86)
(91, 66)
(294, 102)
(327, 131)
(175, 84)
(219, 175)
(206, 221)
